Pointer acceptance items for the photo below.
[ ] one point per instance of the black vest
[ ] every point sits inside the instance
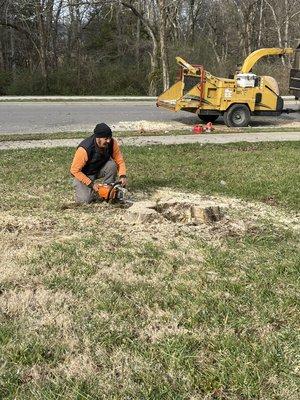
(96, 158)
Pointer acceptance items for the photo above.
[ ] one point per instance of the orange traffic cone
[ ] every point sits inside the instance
(198, 129)
(209, 127)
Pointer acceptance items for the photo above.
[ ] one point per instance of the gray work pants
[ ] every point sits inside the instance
(84, 194)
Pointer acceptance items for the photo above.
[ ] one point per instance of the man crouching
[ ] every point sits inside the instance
(98, 156)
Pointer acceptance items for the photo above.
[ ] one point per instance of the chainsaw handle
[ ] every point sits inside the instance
(118, 183)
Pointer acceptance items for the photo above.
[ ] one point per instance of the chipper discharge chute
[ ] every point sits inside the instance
(236, 99)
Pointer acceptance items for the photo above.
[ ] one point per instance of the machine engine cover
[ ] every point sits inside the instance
(107, 192)
(245, 80)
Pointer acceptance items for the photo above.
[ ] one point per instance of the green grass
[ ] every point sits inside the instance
(250, 171)
(95, 308)
(258, 171)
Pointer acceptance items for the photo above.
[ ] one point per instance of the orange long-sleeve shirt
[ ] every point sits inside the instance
(81, 158)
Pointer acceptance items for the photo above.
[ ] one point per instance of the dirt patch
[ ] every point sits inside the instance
(271, 200)
(246, 149)
(190, 213)
(13, 225)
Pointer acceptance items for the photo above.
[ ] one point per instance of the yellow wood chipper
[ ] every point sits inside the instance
(236, 99)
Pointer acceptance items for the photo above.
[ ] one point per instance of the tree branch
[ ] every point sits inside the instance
(16, 27)
(140, 16)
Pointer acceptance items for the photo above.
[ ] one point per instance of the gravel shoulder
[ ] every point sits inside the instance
(163, 140)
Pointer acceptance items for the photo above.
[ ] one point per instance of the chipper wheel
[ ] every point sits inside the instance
(208, 118)
(238, 115)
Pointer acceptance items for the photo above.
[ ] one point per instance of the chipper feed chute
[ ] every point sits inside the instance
(169, 98)
(189, 87)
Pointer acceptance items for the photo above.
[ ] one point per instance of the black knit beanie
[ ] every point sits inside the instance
(102, 130)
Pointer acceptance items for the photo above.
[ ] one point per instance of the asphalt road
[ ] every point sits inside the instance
(43, 117)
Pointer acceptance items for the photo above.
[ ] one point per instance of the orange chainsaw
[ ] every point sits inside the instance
(114, 193)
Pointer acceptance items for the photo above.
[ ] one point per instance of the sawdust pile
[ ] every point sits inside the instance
(175, 208)
(185, 123)
(148, 126)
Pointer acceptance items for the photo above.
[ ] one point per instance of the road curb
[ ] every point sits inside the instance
(77, 98)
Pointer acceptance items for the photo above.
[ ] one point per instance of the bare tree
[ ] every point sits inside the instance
(163, 44)
(81, 37)
(146, 17)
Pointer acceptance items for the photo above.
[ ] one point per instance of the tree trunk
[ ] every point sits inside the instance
(137, 44)
(260, 24)
(42, 43)
(154, 54)
(163, 46)
(78, 43)
(152, 91)
(277, 24)
(286, 24)
(2, 58)
(191, 24)
(119, 31)
(54, 35)
(12, 52)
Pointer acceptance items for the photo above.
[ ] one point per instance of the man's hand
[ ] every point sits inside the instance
(123, 181)
(96, 187)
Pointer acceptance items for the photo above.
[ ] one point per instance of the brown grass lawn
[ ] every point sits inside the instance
(96, 307)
